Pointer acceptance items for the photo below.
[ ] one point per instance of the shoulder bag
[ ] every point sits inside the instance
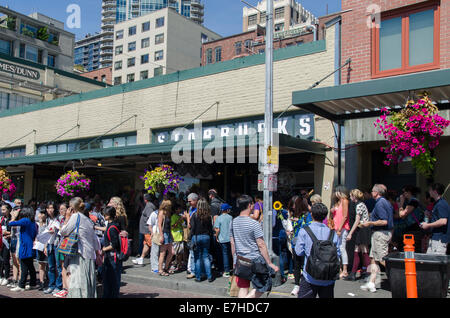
(69, 244)
(156, 237)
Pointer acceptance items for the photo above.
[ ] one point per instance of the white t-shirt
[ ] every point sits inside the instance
(153, 221)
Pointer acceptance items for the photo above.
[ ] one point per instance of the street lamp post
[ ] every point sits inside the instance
(268, 141)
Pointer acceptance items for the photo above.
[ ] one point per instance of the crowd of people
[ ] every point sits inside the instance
(206, 237)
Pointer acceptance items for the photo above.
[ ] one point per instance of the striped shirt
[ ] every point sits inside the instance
(245, 231)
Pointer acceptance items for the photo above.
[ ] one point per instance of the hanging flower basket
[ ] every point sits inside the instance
(162, 179)
(72, 183)
(6, 184)
(413, 132)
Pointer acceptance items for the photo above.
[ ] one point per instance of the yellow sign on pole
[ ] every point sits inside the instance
(272, 155)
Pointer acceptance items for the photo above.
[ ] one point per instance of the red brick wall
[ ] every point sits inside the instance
(98, 74)
(228, 49)
(357, 37)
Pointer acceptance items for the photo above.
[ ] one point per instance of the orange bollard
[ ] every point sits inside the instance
(410, 266)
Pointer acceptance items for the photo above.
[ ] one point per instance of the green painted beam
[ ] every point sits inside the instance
(410, 82)
(285, 141)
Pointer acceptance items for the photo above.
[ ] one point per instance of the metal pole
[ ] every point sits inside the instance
(268, 124)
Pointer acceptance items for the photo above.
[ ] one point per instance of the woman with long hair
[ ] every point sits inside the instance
(362, 234)
(14, 235)
(341, 224)
(55, 284)
(27, 235)
(64, 213)
(121, 214)
(82, 278)
(165, 249)
(201, 232)
(5, 267)
(112, 266)
(41, 225)
(298, 211)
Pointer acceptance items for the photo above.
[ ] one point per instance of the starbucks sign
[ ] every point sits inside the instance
(19, 70)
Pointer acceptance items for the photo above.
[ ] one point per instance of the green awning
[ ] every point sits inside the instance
(365, 99)
(288, 144)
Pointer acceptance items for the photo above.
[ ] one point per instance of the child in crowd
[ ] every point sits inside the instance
(222, 229)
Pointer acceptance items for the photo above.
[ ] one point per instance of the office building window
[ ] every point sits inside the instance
(279, 13)
(262, 18)
(119, 35)
(130, 78)
(279, 27)
(218, 51)
(252, 19)
(158, 71)
(104, 78)
(22, 50)
(407, 41)
(209, 58)
(248, 44)
(51, 60)
(159, 38)
(204, 38)
(145, 43)
(131, 62)
(5, 47)
(237, 48)
(119, 50)
(118, 80)
(160, 22)
(144, 75)
(118, 65)
(145, 26)
(145, 59)
(31, 53)
(159, 55)
(132, 46)
(132, 30)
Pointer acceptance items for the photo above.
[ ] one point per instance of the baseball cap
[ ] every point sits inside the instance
(225, 207)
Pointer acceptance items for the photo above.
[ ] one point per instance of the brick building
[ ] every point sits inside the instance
(253, 42)
(360, 37)
(102, 75)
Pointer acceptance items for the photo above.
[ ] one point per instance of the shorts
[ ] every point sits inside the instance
(262, 282)
(380, 244)
(242, 283)
(178, 247)
(168, 238)
(40, 257)
(148, 240)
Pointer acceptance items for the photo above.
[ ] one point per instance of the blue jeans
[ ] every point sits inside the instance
(54, 269)
(279, 248)
(111, 278)
(201, 256)
(226, 254)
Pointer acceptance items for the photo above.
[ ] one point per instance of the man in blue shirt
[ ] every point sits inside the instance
(439, 222)
(222, 229)
(310, 287)
(382, 224)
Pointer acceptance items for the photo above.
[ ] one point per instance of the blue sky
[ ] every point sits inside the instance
(221, 16)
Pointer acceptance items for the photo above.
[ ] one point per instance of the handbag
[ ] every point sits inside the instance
(244, 268)
(69, 244)
(156, 237)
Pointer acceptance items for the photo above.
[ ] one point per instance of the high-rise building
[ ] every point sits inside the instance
(87, 52)
(116, 11)
(287, 14)
(155, 44)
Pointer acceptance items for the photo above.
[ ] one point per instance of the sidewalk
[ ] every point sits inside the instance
(219, 288)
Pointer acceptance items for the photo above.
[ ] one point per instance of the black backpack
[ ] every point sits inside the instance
(323, 262)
